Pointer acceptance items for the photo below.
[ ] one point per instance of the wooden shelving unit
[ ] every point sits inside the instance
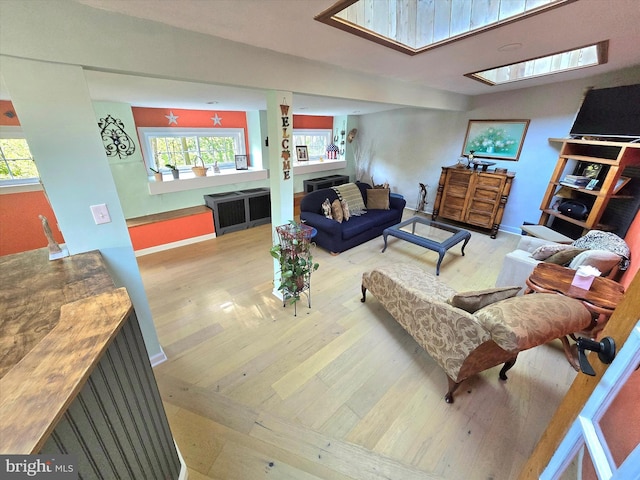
(612, 156)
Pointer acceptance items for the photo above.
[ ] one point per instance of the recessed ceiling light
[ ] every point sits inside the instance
(214, 102)
(510, 47)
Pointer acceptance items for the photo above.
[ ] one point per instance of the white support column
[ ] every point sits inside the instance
(280, 131)
(57, 117)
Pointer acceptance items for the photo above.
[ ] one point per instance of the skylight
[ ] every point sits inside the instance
(583, 57)
(414, 26)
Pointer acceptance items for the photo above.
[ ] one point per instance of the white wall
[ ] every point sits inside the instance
(411, 145)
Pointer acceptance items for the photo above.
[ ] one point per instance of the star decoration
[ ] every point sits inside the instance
(172, 118)
(217, 120)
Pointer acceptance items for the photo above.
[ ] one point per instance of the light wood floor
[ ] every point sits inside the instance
(340, 391)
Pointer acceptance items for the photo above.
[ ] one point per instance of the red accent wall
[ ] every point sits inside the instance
(173, 230)
(312, 122)
(20, 227)
(157, 117)
(5, 107)
(633, 240)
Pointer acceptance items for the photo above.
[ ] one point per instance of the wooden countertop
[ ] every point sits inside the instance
(58, 318)
(164, 216)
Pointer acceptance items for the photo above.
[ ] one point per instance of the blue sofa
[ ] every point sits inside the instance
(337, 237)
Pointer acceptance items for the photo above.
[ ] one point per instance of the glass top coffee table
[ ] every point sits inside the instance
(429, 234)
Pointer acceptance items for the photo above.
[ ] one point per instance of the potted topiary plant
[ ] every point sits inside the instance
(296, 262)
(174, 171)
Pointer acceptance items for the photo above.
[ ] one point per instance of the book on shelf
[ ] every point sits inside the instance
(575, 180)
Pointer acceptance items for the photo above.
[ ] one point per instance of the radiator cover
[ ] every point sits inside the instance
(239, 210)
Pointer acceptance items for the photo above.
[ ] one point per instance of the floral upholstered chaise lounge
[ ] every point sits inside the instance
(466, 333)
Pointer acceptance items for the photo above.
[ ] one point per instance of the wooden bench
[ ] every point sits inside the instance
(169, 229)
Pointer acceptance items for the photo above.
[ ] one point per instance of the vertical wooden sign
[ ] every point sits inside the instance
(286, 141)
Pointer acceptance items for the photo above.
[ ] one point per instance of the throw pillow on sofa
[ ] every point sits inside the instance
(545, 251)
(378, 199)
(475, 300)
(326, 209)
(564, 257)
(336, 211)
(603, 260)
(345, 210)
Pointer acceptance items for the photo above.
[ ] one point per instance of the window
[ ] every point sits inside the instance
(316, 141)
(415, 26)
(16, 162)
(583, 57)
(184, 147)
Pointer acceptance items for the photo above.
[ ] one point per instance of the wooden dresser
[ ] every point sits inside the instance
(473, 197)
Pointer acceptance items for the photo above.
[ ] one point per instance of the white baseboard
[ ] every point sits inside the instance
(158, 358)
(169, 246)
(184, 473)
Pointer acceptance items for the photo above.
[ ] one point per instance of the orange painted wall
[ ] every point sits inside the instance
(168, 231)
(312, 122)
(633, 240)
(20, 227)
(6, 107)
(157, 117)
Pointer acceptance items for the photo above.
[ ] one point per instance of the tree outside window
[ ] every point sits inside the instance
(186, 148)
(16, 162)
(316, 141)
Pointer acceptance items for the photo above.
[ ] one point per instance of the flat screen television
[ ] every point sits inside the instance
(609, 113)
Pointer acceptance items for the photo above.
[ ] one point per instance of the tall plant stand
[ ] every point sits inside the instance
(296, 262)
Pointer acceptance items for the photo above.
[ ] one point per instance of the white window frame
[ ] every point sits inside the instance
(15, 132)
(320, 132)
(146, 133)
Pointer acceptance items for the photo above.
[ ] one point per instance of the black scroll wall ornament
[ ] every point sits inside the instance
(115, 139)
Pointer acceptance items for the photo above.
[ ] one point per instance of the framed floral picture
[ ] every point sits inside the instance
(499, 139)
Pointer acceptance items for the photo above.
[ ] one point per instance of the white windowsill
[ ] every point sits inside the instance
(21, 188)
(225, 177)
(312, 166)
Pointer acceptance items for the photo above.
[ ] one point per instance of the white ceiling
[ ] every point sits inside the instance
(288, 27)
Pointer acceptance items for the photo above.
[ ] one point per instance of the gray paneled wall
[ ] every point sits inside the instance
(117, 426)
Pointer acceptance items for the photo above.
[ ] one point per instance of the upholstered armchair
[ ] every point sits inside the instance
(466, 333)
(603, 250)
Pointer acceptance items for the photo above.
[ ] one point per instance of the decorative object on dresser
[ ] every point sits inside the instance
(472, 197)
